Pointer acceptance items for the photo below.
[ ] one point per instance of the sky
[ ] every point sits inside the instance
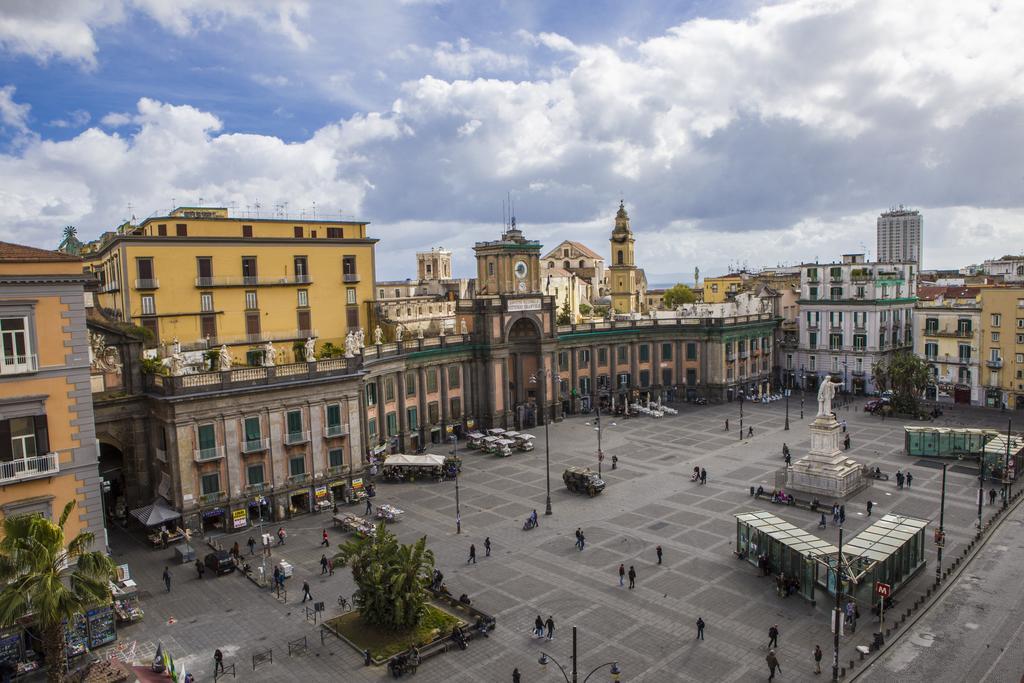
(738, 133)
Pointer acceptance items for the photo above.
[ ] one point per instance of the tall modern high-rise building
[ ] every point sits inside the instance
(900, 233)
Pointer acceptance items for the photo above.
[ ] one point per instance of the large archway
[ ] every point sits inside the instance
(112, 471)
(523, 362)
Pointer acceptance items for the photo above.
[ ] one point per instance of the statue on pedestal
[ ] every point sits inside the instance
(419, 333)
(224, 358)
(826, 392)
(177, 364)
(462, 327)
(175, 347)
(398, 332)
(269, 355)
(360, 339)
(309, 350)
(350, 344)
(378, 336)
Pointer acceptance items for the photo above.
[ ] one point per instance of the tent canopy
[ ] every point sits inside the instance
(426, 460)
(155, 514)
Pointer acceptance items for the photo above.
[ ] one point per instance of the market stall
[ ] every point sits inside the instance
(400, 467)
(354, 524)
(388, 513)
(125, 593)
(15, 655)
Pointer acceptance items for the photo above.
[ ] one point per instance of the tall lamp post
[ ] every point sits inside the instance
(598, 427)
(837, 618)
(458, 512)
(1006, 466)
(786, 426)
(545, 658)
(741, 414)
(542, 378)
(940, 537)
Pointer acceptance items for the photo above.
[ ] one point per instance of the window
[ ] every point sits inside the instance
(209, 484)
(691, 377)
(348, 265)
(17, 353)
(812, 293)
(836, 293)
(584, 357)
(811, 362)
(23, 437)
(251, 303)
(623, 380)
(144, 268)
(246, 231)
(995, 336)
(453, 376)
(253, 432)
(249, 271)
(714, 289)
(410, 383)
(455, 408)
(297, 466)
(645, 354)
(301, 269)
(204, 271)
(352, 317)
(336, 456)
(994, 355)
(392, 423)
(860, 291)
(965, 351)
(860, 342)
(622, 354)
(619, 257)
(645, 378)
(208, 327)
(371, 394)
(963, 327)
(298, 231)
(835, 364)
(602, 356)
(371, 429)
(148, 305)
(431, 380)
(303, 301)
(666, 351)
(666, 376)
(563, 360)
(581, 264)
(181, 230)
(389, 389)
(490, 268)
(1019, 357)
(294, 422)
(254, 474)
(252, 326)
(432, 412)
(335, 233)
(153, 326)
(881, 339)
(836, 273)
(1020, 338)
(996, 319)
(206, 302)
(350, 296)
(161, 230)
(333, 415)
(305, 324)
(812, 340)
(691, 350)
(835, 341)
(410, 416)
(584, 385)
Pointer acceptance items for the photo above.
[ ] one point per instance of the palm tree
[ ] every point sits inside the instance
(33, 569)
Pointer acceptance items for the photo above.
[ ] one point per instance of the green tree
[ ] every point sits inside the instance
(585, 309)
(33, 557)
(564, 313)
(906, 375)
(392, 578)
(678, 295)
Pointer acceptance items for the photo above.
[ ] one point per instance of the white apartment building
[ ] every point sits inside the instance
(852, 314)
(900, 235)
(1010, 268)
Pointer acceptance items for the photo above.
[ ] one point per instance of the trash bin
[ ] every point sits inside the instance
(878, 642)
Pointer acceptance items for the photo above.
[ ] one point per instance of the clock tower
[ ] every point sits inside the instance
(622, 275)
(510, 265)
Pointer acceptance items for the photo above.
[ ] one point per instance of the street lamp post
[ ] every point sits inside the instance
(545, 658)
(981, 486)
(837, 619)
(542, 378)
(786, 426)
(599, 427)
(458, 512)
(741, 415)
(942, 532)
(1006, 466)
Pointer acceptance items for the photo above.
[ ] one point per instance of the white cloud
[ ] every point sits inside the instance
(66, 29)
(12, 114)
(277, 81)
(117, 119)
(74, 119)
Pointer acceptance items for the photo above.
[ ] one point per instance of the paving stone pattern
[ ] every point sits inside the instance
(649, 500)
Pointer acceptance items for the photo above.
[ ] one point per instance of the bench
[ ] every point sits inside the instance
(797, 502)
(864, 650)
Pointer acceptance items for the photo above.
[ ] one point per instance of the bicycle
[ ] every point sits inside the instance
(345, 605)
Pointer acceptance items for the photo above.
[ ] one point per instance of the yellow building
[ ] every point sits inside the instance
(719, 289)
(1002, 346)
(48, 453)
(207, 279)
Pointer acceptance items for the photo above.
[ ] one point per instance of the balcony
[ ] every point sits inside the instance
(995, 364)
(253, 281)
(743, 354)
(946, 332)
(212, 498)
(332, 431)
(111, 286)
(255, 445)
(208, 454)
(18, 365)
(730, 356)
(262, 337)
(21, 469)
(857, 373)
(296, 438)
(257, 489)
(350, 278)
(147, 283)
(302, 478)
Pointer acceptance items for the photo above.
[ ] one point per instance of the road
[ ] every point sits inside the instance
(974, 632)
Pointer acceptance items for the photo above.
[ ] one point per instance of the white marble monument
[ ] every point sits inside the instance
(826, 472)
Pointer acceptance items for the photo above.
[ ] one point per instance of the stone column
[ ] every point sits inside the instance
(443, 384)
(403, 419)
(573, 376)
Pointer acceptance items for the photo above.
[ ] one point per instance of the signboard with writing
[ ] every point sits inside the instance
(320, 492)
(523, 305)
(239, 518)
(357, 484)
(883, 590)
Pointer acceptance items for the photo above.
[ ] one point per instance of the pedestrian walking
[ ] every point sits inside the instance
(773, 665)
(218, 662)
(538, 627)
(167, 579)
(487, 547)
(325, 543)
(252, 544)
(703, 476)
(305, 591)
(750, 431)
(727, 424)
(330, 567)
(846, 443)
(899, 479)
(909, 479)
(870, 505)
(323, 565)
(200, 569)
(773, 636)
(281, 535)
(991, 496)
(578, 534)
(369, 506)
(515, 676)
(842, 515)
(835, 515)
(789, 459)
(844, 426)
(632, 577)
(550, 623)
(658, 551)
(583, 540)
(817, 659)
(472, 554)
(700, 628)
(622, 575)
(236, 552)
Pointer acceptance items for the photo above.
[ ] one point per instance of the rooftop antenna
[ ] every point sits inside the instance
(314, 209)
(200, 201)
(257, 208)
(173, 205)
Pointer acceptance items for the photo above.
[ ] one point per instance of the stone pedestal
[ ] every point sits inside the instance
(825, 472)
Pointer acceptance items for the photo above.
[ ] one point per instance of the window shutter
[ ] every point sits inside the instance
(42, 435)
(5, 441)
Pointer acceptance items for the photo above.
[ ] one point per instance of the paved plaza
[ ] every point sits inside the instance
(649, 500)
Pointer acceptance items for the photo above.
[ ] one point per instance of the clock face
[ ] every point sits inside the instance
(521, 269)
(522, 286)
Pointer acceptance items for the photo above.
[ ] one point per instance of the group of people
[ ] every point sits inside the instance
(902, 479)
(403, 663)
(540, 626)
(581, 540)
(699, 474)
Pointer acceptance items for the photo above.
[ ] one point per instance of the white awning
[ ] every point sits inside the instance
(426, 460)
(155, 514)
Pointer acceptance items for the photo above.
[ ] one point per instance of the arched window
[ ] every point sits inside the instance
(1020, 270)
(566, 265)
(581, 264)
(551, 264)
(619, 258)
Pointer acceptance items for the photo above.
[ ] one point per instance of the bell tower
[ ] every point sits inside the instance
(510, 265)
(622, 271)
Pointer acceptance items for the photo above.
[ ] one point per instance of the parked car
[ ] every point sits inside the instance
(873, 405)
(220, 562)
